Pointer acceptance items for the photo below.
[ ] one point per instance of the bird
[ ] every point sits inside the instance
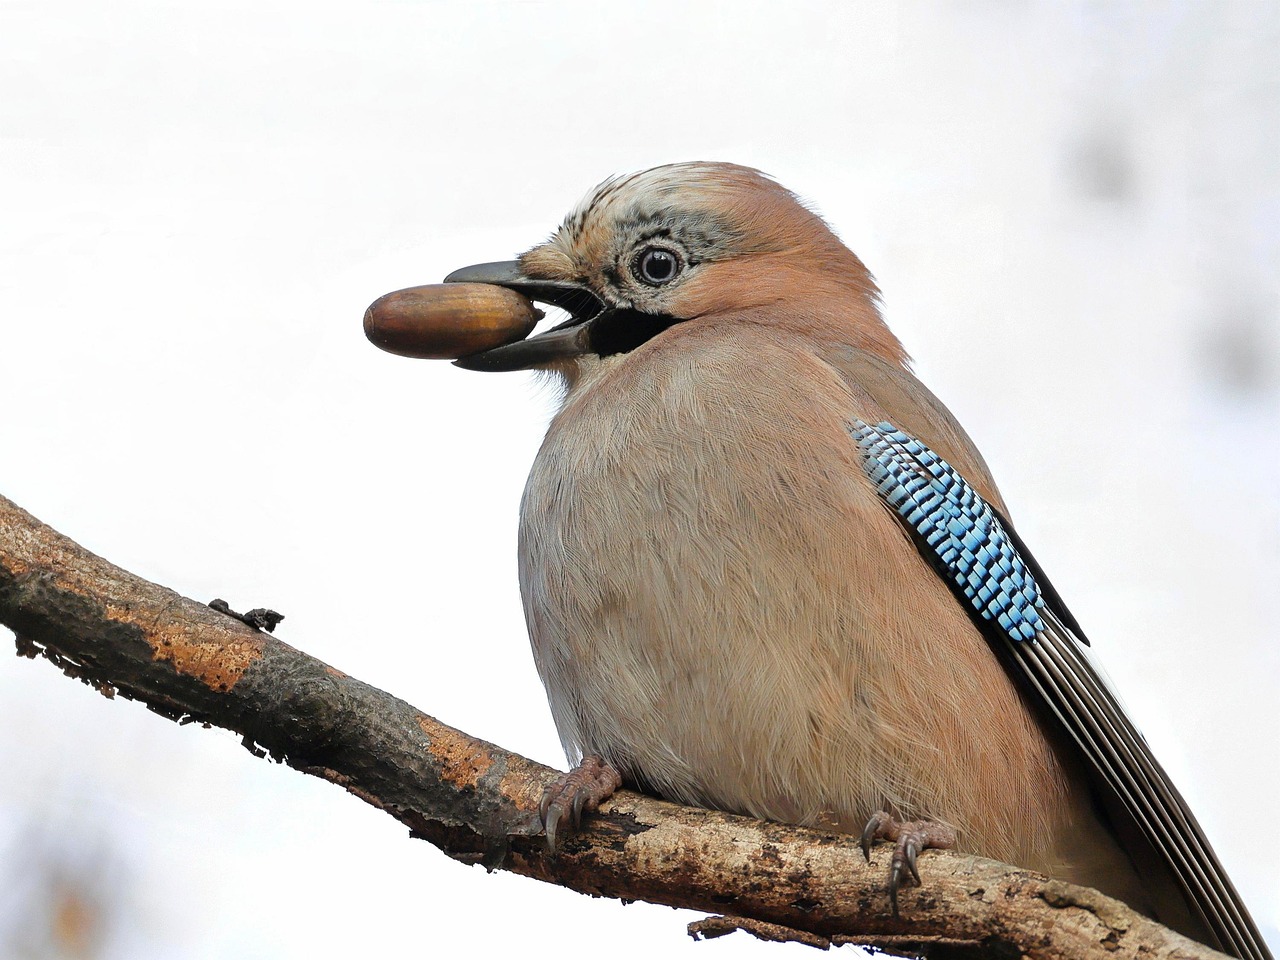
(765, 570)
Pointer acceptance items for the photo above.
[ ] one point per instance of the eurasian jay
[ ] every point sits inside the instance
(765, 570)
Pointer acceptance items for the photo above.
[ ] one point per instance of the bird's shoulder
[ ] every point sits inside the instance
(742, 369)
(897, 396)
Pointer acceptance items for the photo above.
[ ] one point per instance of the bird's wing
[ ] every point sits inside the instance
(958, 523)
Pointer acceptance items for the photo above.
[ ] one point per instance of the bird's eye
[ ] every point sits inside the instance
(656, 266)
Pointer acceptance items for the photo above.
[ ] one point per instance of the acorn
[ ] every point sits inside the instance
(445, 321)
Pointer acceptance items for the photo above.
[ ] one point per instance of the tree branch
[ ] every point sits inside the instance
(478, 803)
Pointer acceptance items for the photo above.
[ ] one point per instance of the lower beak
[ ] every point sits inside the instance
(569, 339)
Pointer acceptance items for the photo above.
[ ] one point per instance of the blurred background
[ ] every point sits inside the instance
(1073, 210)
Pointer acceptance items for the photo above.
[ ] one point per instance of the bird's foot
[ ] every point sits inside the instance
(579, 791)
(909, 837)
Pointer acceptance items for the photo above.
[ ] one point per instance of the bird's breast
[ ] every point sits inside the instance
(720, 605)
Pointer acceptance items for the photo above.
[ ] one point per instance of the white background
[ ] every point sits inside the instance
(1074, 212)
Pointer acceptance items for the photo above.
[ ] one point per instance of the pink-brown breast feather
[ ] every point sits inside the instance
(718, 599)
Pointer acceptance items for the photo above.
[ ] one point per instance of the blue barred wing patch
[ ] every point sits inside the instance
(955, 526)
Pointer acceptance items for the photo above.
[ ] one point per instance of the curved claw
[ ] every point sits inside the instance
(554, 812)
(544, 805)
(895, 881)
(911, 850)
(549, 825)
(872, 832)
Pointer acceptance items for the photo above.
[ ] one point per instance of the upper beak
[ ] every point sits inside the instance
(569, 339)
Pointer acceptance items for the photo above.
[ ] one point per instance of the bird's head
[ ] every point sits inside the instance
(676, 244)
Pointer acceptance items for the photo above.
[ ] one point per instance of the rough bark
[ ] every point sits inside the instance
(478, 803)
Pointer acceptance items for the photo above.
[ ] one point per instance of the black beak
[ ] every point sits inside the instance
(569, 339)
